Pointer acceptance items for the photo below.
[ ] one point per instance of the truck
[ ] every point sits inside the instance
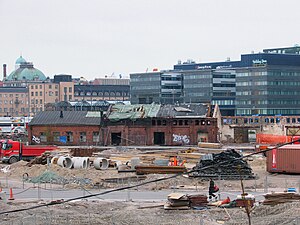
(13, 151)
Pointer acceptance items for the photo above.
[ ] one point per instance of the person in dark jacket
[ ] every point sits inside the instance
(212, 189)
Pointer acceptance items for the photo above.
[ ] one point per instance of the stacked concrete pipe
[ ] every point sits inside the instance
(65, 161)
(101, 163)
(54, 160)
(116, 164)
(80, 162)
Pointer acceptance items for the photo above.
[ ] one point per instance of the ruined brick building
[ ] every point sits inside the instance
(142, 124)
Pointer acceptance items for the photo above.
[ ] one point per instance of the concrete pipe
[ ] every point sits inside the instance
(115, 164)
(80, 162)
(101, 163)
(54, 160)
(64, 161)
(87, 162)
(134, 162)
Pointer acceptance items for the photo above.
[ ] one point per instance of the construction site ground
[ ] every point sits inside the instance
(131, 211)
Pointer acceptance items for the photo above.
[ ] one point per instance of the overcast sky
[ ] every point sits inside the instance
(94, 38)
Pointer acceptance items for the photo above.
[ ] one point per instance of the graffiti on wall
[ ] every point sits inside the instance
(184, 139)
(36, 139)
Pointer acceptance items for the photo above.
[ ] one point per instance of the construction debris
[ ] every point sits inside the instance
(280, 197)
(51, 177)
(177, 201)
(40, 159)
(197, 200)
(186, 201)
(149, 169)
(246, 200)
(124, 179)
(209, 145)
(226, 165)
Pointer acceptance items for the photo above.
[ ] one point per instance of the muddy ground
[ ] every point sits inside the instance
(105, 212)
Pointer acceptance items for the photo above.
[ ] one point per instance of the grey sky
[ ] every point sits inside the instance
(94, 38)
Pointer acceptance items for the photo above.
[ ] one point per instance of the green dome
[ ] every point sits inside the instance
(26, 72)
(20, 60)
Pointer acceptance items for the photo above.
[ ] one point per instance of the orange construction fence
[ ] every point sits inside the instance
(272, 139)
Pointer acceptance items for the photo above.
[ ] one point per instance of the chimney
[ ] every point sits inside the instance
(61, 114)
(4, 71)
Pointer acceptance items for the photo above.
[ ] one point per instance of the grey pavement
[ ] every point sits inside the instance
(39, 193)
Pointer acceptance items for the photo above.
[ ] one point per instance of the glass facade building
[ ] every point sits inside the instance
(266, 83)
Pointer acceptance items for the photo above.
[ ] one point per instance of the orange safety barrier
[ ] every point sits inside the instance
(11, 196)
(272, 139)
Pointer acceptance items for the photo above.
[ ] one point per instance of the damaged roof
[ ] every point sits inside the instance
(120, 112)
(183, 110)
(133, 112)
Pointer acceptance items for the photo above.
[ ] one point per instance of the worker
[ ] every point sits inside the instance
(212, 189)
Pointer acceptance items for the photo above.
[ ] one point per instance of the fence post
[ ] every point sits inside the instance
(219, 193)
(39, 194)
(128, 190)
(266, 184)
(286, 188)
(6, 178)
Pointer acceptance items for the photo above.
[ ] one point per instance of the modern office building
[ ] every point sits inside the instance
(163, 87)
(266, 83)
(184, 85)
(145, 88)
(271, 86)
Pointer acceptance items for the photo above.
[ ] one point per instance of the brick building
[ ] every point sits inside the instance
(127, 125)
(14, 101)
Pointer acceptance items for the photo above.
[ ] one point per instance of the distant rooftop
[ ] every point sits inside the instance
(287, 50)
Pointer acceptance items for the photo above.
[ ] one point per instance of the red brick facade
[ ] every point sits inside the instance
(166, 131)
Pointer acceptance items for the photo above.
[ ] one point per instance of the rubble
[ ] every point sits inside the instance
(177, 201)
(226, 165)
(280, 197)
(147, 169)
(197, 200)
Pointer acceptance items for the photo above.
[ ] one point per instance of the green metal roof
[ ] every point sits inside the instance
(20, 60)
(27, 74)
(121, 112)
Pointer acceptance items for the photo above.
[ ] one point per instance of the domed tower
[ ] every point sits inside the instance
(19, 62)
(23, 74)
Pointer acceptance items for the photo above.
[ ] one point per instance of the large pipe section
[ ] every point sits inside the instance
(101, 163)
(116, 164)
(80, 162)
(54, 160)
(64, 161)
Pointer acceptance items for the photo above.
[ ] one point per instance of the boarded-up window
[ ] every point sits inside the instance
(82, 137)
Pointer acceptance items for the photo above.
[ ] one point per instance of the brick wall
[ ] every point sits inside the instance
(158, 131)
